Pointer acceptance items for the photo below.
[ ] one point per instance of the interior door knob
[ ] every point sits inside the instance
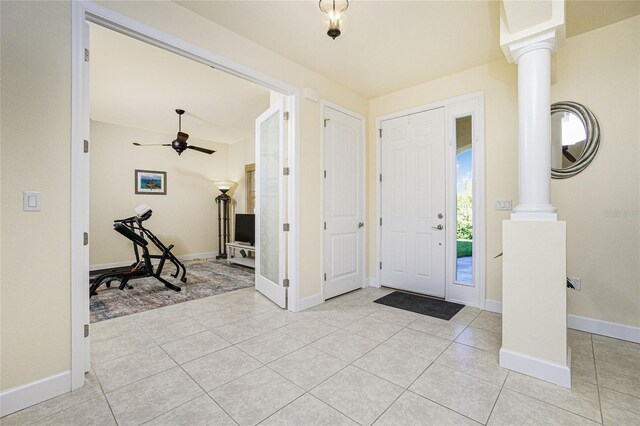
(360, 225)
(439, 227)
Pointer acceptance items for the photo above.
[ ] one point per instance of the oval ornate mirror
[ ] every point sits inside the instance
(575, 138)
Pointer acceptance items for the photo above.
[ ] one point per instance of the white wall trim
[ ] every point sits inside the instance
(311, 301)
(589, 325)
(536, 367)
(23, 396)
(192, 256)
(372, 282)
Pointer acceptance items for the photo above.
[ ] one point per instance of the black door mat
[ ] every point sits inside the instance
(421, 305)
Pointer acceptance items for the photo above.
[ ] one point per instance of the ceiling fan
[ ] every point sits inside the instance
(180, 142)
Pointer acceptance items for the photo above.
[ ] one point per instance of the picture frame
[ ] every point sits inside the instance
(152, 182)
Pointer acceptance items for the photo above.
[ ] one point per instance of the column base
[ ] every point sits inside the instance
(535, 367)
(534, 212)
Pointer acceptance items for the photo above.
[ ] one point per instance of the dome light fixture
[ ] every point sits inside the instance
(334, 13)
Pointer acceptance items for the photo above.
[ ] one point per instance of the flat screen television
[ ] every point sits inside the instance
(245, 228)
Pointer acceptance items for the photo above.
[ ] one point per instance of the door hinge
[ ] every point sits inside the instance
(325, 276)
(286, 171)
(325, 122)
(286, 115)
(325, 226)
(380, 177)
(285, 227)
(381, 266)
(86, 330)
(86, 55)
(325, 174)
(86, 146)
(285, 283)
(380, 132)
(380, 221)
(85, 239)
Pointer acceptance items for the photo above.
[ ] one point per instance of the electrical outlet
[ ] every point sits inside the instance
(576, 282)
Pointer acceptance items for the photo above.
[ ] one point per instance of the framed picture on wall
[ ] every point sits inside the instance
(151, 182)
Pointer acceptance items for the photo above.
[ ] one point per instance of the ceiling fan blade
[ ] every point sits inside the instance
(182, 137)
(151, 144)
(197, 148)
(568, 155)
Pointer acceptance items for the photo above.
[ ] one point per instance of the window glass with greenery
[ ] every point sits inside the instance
(464, 197)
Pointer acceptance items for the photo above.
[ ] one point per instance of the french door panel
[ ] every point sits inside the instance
(342, 203)
(270, 205)
(413, 203)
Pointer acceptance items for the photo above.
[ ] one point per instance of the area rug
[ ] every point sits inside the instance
(421, 305)
(203, 279)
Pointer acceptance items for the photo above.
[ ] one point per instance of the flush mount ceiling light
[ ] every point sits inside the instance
(333, 9)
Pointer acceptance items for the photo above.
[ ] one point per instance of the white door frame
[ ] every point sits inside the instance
(82, 11)
(471, 104)
(363, 150)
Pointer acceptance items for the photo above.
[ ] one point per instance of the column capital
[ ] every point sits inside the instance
(549, 40)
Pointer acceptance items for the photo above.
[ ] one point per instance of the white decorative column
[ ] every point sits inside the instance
(533, 57)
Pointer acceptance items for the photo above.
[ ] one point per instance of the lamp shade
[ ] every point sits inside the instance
(226, 186)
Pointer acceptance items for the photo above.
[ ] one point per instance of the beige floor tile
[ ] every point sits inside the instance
(270, 346)
(413, 410)
(220, 367)
(254, 397)
(615, 351)
(90, 391)
(458, 391)
(419, 343)
(148, 398)
(218, 317)
(476, 362)
(308, 411)
(239, 331)
(279, 318)
(619, 409)
(618, 378)
(488, 321)
(124, 344)
(307, 367)
(395, 316)
(337, 316)
(482, 339)
(201, 411)
(307, 330)
(159, 317)
(397, 366)
(109, 329)
(195, 346)
(583, 367)
(345, 345)
(513, 408)
(93, 412)
(374, 329)
(446, 329)
(130, 368)
(466, 315)
(581, 399)
(169, 332)
(580, 343)
(357, 394)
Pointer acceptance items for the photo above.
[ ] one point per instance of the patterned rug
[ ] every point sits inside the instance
(203, 279)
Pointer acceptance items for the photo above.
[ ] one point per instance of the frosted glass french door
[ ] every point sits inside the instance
(271, 205)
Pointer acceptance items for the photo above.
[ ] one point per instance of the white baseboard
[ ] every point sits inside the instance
(590, 325)
(536, 367)
(193, 256)
(23, 396)
(310, 301)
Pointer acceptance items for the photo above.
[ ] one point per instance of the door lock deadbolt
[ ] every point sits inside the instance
(440, 216)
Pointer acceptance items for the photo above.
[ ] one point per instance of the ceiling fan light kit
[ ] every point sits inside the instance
(179, 144)
(334, 13)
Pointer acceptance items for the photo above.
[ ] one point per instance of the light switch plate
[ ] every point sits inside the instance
(503, 205)
(31, 201)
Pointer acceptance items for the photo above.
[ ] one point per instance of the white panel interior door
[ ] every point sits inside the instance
(270, 205)
(413, 203)
(85, 200)
(343, 192)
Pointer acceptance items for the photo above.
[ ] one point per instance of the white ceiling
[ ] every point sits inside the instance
(138, 85)
(389, 45)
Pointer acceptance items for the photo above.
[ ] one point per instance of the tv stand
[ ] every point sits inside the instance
(234, 256)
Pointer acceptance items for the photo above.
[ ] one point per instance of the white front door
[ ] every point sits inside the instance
(413, 203)
(343, 195)
(271, 250)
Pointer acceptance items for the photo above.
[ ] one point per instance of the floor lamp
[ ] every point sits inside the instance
(224, 204)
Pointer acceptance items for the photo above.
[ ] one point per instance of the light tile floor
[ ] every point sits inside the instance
(238, 359)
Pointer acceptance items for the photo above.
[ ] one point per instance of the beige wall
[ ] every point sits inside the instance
(185, 217)
(240, 154)
(35, 134)
(599, 69)
(36, 117)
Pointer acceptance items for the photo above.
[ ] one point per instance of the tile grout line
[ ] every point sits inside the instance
(593, 352)
(104, 394)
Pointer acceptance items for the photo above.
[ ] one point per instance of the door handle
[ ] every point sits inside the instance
(439, 227)
(360, 225)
